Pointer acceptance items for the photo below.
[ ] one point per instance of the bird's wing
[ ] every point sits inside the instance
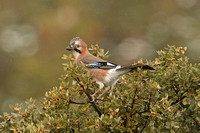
(91, 59)
(101, 65)
(97, 63)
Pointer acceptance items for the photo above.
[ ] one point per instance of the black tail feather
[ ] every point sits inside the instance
(134, 67)
(142, 66)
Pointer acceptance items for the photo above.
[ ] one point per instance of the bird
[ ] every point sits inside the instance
(106, 74)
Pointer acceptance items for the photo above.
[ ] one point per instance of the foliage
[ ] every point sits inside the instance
(164, 100)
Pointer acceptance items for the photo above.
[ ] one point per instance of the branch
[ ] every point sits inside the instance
(145, 124)
(133, 101)
(147, 108)
(70, 101)
(90, 98)
(180, 99)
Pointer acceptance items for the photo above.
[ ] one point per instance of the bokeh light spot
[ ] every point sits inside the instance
(186, 3)
(131, 49)
(20, 39)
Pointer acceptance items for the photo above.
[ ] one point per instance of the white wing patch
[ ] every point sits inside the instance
(112, 75)
(110, 64)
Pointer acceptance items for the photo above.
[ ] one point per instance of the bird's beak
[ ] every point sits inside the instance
(69, 48)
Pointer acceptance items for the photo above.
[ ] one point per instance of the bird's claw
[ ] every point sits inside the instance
(93, 98)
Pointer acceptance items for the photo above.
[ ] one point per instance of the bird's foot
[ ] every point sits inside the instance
(99, 99)
(93, 98)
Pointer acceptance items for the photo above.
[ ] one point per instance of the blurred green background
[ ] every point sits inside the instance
(34, 34)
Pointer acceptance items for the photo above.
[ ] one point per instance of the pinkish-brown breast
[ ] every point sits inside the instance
(98, 74)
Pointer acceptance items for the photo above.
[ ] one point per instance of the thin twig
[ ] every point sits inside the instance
(70, 101)
(147, 108)
(90, 98)
(180, 99)
(145, 124)
(133, 101)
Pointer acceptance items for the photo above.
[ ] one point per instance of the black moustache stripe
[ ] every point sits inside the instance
(77, 50)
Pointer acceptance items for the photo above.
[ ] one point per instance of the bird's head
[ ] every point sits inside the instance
(77, 46)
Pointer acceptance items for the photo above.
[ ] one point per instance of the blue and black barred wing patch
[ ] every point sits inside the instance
(101, 65)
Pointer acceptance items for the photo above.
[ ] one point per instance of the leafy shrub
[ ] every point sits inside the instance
(164, 100)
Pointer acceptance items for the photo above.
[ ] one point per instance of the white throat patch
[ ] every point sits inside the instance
(75, 54)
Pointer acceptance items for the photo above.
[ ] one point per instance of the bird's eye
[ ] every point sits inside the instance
(77, 46)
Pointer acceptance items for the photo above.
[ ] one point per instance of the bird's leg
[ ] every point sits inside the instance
(101, 85)
(93, 98)
(103, 92)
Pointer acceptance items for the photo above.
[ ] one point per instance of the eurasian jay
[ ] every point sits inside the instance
(103, 72)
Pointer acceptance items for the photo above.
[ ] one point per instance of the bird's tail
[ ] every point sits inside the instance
(127, 69)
